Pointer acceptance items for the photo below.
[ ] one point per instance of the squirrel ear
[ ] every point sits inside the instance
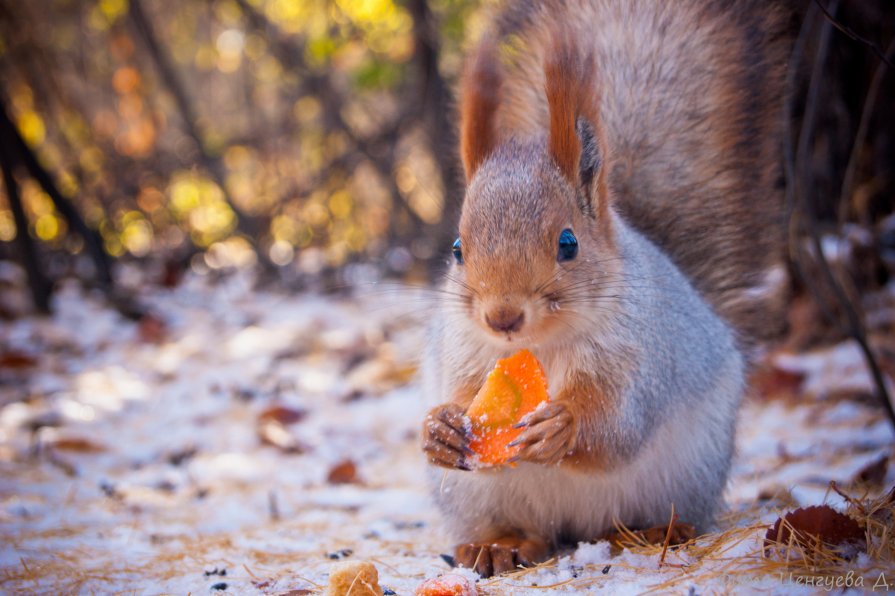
(479, 99)
(575, 141)
(591, 168)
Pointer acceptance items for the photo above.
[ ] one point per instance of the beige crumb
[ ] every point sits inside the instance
(353, 578)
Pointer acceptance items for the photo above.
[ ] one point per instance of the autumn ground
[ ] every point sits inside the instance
(244, 440)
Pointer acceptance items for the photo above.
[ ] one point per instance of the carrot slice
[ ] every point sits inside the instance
(516, 387)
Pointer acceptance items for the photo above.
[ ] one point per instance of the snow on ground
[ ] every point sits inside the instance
(135, 459)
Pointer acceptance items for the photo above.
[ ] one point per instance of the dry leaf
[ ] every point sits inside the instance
(379, 374)
(76, 445)
(873, 473)
(344, 472)
(151, 329)
(16, 360)
(806, 526)
(282, 414)
(769, 381)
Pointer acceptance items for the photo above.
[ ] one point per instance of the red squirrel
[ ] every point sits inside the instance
(623, 221)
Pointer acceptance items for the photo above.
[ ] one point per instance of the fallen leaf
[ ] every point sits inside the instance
(344, 472)
(172, 273)
(282, 414)
(770, 381)
(17, 360)
(810, 525)
(151, 329)
(301, 592)
(379, 374)
(76, 445)
(873, 473)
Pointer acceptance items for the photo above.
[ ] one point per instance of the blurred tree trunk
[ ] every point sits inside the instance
(439, 118)
(37, 282)
(16, 147)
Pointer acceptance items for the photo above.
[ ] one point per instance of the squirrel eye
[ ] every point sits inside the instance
(458, 254)
(568, 246)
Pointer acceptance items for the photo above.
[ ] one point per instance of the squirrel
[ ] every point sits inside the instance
(623, 220)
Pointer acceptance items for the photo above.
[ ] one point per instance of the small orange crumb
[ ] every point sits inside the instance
(515, 388)
(449, 584)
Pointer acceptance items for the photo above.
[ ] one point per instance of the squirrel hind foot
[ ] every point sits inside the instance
(501, 555)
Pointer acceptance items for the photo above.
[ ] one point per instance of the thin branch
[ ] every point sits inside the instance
(852, 35)
(863, 127)
(853, 326)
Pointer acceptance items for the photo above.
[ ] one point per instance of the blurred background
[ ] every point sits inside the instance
(302, 135)
(315, 139)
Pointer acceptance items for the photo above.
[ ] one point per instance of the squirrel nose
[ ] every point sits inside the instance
(505, 320)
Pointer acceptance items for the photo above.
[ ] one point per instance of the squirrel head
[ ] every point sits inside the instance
(535, 231)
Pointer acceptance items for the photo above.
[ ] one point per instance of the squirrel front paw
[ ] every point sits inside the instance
(548, 435)
(446, 438)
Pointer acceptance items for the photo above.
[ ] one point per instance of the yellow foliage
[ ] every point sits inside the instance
(112, 9)
(200, 203)
(340, 204)
(255, 46)
(206, 57)
(228, 12)
(67, 183)
(315, 213)
(36, 201)
(7, 226)
(368, 11)
(136, 233)
(237, 156)
(355, 238)
(284, 228)
(91, 159)
(268, 69)
(47, 227)
(31, 125)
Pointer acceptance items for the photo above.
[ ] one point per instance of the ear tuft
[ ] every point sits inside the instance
(570, 85)
(479, 100)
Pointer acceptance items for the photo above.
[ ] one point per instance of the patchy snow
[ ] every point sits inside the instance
(135, 463)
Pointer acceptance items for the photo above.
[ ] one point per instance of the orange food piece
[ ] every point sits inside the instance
(515, 388)
(449, 584)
